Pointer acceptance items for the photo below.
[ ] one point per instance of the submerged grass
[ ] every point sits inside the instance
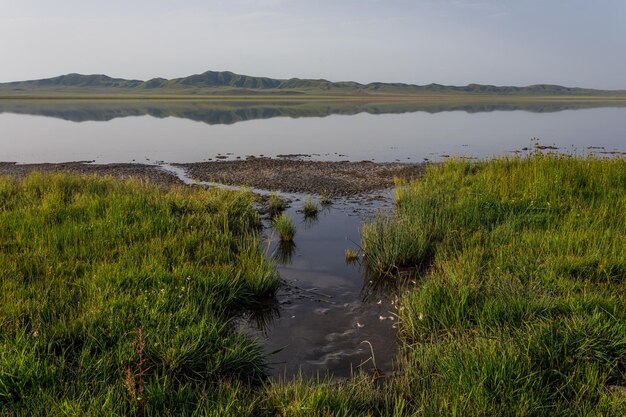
(352, 255)
(523, 311)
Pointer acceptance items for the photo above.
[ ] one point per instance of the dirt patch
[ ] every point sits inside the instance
(334, 178)
(287, 175)
(145, 172)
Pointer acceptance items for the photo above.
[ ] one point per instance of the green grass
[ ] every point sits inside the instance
(310, 207)
(284, 226)
(276, 204)
(523, 308)
(86, 262)
(519, 307)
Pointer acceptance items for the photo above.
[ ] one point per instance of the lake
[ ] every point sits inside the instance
(62, 131)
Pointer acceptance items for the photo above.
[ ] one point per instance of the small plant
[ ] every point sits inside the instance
(325, 199)
(310, 207)
(352, 255)
(284, 226)
(276, 205)
(135, 387)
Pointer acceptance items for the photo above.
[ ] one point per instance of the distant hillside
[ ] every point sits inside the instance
(229, 83)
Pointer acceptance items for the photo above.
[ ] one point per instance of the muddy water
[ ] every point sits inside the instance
(330, 317)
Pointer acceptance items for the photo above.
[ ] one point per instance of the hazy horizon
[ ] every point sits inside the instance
(452, 42)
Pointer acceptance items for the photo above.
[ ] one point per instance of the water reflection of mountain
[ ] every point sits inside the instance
(229, 112)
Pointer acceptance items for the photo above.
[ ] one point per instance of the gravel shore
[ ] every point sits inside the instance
(287, 175)
(293, 175)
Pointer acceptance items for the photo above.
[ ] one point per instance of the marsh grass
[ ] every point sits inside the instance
(523, 310)
(325, 199)
(276, 204)
(310, 207)
(285, 227)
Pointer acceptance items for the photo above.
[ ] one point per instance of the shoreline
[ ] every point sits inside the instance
(289, 175)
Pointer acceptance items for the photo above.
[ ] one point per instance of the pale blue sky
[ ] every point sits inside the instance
(568, 42)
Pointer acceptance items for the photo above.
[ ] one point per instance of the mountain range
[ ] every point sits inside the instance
(229, 83)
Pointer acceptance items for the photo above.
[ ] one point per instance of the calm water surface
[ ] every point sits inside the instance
(79, 133)
(330, 316)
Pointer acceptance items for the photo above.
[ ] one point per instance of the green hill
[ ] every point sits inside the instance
(229, 83)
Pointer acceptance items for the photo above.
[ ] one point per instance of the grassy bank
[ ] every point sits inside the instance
(110, 288)
(116, 297)
(523, 308)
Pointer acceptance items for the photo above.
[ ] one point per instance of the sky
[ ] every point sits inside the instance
(578, 43)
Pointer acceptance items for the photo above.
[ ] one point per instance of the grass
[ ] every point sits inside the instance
(276, 204)
(310, 207)
(284, 226)
(325, 199)
(88, 264)
(520, 309)
(352, 255)
(523, 310)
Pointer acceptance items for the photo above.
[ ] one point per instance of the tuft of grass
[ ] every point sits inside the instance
(276, 204)
(285, 227)
(352, 255)
(325, 199)
(392, 243)
(310, 207)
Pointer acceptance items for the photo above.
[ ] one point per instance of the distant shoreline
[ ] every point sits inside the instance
(443, 97)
